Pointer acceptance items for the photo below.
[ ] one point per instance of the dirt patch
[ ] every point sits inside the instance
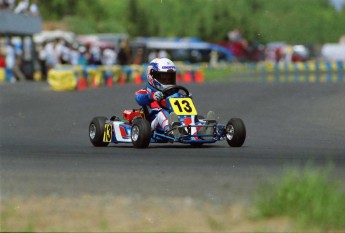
(130, 214)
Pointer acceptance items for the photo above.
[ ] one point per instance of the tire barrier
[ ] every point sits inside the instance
(67, 78)
(2, 75)
(309, 66)
(310, 71)
(313, 77)
(7, 75)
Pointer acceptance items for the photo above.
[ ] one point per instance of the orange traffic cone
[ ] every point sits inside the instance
(178, 78)
(81, 84)
(199, 76)
(94, 83)
(187, 77)
(109, 81)
(122, 79)
(137, 78)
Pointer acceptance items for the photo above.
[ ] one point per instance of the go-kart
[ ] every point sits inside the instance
(135, 128)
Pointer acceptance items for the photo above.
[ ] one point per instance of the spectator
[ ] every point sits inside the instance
(42, 57)
(18, 74)
(213, 58)
(83, 56)
(196, 56)
(52, 57)
(235, 35)
(34, 8)
(95, 56)
(124, 53)
(342, 40)
(7, 4)
(10, 61)
(11, 4)
(162, 54)
(22, 7)
(74, 54)
(64, 52)
(2, 54)
(3, 4)
(109, 57)
(2, 60)
(152, 55)
(138, 59)
(278, 54)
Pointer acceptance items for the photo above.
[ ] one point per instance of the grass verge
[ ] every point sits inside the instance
(233, 73)
(300, 201)
(129, 214)
(309, 197)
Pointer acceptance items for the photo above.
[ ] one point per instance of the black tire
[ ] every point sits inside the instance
(96, 131)
(235, 132)
(197, 145)
(141, 133)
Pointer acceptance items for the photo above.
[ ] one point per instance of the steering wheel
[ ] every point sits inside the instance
(172, 90)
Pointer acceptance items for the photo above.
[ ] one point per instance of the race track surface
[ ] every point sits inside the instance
(45, 149)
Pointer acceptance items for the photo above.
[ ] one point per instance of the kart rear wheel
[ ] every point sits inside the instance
(96, 131)
(235, 132)
(141, 133)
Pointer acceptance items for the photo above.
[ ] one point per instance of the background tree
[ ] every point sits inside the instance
(293, 21)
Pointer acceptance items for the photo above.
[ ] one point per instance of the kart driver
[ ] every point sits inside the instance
(161, 73)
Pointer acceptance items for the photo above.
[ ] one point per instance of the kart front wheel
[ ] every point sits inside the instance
(141, 133)
(96, 131)
(235, 132)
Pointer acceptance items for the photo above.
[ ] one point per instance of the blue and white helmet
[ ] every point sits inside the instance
(161, 73)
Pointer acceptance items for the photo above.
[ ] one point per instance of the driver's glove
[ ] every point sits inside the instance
(158, 96)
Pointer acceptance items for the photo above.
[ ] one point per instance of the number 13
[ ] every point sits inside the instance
(185, 106)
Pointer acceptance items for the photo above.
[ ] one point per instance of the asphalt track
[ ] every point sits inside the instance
(45, 149)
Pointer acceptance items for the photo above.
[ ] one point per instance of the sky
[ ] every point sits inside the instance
(338, 4)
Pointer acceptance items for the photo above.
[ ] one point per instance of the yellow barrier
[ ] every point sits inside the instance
(38, 75)
(95, 78)
(62, 80)
(2, 75)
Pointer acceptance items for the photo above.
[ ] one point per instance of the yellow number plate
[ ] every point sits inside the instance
(183, 106)
(107, 133)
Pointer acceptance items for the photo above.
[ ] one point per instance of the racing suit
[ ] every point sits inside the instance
(157, 116)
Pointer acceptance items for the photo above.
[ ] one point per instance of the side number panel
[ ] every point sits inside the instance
(107, 133)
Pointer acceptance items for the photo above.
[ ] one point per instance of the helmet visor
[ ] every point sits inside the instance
(166, 78)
